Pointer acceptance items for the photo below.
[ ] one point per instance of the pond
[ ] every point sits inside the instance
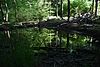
(29, 47)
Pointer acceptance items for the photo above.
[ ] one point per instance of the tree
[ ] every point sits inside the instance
(77, 6)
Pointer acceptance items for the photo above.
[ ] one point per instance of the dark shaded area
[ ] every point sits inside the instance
(17, 48)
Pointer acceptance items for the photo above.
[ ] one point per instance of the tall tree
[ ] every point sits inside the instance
(96, 7)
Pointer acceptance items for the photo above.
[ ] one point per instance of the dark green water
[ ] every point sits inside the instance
(18, 50)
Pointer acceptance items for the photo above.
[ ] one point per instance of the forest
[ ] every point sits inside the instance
(49, 33)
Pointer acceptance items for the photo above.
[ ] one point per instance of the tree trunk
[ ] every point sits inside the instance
(68, 10)
(96, 7)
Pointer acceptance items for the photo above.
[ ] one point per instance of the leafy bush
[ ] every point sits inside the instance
(77, 6)
(20, 47)
(28, 10)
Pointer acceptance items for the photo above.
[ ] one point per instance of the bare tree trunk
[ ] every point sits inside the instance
(96, 7)
(62, 9)
(68, 10)
(6, 20)
(57, 8)
(1, 12)
(92, 6)
(68, 21)
(15, 6)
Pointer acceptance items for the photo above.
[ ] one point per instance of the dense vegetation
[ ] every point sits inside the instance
(28, 10)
